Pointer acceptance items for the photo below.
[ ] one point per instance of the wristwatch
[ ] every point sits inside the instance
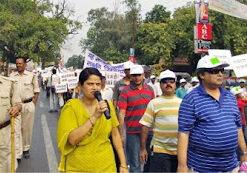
(244, 153)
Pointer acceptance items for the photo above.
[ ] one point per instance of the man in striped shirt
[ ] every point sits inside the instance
(162, 115)
(209, 124)
(132, 104)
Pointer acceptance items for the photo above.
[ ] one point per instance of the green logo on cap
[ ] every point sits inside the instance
(215, 60)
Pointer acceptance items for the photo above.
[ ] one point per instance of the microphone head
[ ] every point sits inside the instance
(97, 95)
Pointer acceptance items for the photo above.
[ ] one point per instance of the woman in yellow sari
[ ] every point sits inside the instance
(83, 131)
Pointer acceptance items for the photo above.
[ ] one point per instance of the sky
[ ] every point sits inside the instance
(82, 7)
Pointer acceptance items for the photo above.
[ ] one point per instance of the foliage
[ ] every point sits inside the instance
(133, 17)
(229, 33)
(153, 44)
(158, 14)
(33, 29)
(108, 36)
(159, 38)
(181, 27)
(75, 61)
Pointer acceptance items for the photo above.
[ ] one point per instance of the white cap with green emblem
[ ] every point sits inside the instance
(210, 62)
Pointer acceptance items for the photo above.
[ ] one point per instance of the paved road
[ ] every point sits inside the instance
(44, 155)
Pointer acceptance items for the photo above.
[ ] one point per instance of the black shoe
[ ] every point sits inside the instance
(19, 161)
(50, 111)
(55, 110)
(26, 154)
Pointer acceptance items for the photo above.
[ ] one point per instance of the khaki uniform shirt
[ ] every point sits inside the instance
(9, 96)
(27, 83)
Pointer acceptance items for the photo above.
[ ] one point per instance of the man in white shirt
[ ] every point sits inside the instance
(243, 88)
(53, 80)
(194, 84)
(152, 84)
(106, 92)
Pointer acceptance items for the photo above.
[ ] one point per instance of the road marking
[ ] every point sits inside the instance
(41, 104)
(50, 152)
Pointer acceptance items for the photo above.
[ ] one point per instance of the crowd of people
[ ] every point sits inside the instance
(200, 128)
(154, 126)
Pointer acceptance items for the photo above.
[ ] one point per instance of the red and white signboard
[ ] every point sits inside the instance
(201, 9)
(203, 31)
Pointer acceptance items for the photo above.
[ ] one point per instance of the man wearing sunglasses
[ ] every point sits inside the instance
(209, 124)
(162, 115)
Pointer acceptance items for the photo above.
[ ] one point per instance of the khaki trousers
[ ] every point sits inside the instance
(5, 149)
(18, 138)
(27, 119)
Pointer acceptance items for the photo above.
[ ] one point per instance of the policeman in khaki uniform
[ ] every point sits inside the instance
(10, 106)
(29, 92)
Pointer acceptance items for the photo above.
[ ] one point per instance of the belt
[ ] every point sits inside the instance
(28, 100)
(4, 124)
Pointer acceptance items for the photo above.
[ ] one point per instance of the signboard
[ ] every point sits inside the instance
(111, 78)
(202, 12)
(72, 82)
(202, 46)
(65, 76)
(61, 88)
(239, 65)
(132, 52)
(157, 68)
(203, 31)
(46, 74)
(223, 55)
(229, 7)
(72, 85)
(181, 61)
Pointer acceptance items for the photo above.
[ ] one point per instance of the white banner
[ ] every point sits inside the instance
(112, 72)
(229, 7)
(223, 55)
(61, 88)
(239, 64)
(91, 60)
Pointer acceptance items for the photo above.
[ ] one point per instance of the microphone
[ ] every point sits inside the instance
(98, 96)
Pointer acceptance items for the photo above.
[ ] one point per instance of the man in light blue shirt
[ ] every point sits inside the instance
(210, 129)
(181, 91)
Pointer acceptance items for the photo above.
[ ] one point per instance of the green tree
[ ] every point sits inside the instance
(75, 61)
(108, 37)
(133, 17)
(154, 44)
(34, 29)
(158, 14)
(229, 33)
(181, 27)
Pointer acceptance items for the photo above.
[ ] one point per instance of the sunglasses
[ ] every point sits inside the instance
(214, 71)
(167, 80)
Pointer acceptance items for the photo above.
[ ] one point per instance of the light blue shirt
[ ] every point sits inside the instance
(181, 92)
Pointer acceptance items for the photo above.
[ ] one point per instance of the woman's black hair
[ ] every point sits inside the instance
(85, 73)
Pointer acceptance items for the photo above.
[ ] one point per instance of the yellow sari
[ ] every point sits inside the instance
(94, 153)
